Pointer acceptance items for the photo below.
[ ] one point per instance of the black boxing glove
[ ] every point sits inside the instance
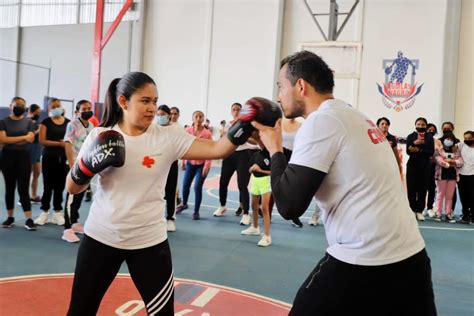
(106, 150)
(258, 109)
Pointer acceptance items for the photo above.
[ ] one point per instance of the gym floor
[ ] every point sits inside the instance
(213, 250)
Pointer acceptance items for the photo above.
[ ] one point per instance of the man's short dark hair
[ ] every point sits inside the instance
(469, 133)
(311, 68)
(34, 107)
(174, 108)
(17, 99)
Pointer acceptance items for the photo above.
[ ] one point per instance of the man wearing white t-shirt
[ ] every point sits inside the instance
(376, 263)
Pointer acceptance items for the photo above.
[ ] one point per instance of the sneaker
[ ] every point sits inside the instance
(464, 219)
(437, 218)
(181, 208)
(238, 212)
(420, 217)
(78, 228)
(69, 236)
(170, 225)
(58, 218)
(297, 223)
(220, 211)
(431, 213)
(313, 221)
(29, 224)
(245, 220)
(251, 231)
(196, 216)
(265, 241)
(9, 223)
(88, 196)
(450, 218)
(36, 200)
(42, 219)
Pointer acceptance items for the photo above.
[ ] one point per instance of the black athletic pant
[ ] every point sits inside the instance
(54, 169)
(170, 191)
(417, 185)
(431, 187)
(239, 161)
(71, 208)
(98, 264)
(466, 194)
(16, 168)
(338, 288)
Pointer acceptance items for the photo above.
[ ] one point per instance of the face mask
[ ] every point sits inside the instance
(162, 120)
(86, 115)
(432, 133)
(56, 112)
(446, 131)
(421, 129)
(448, 143)
(35, 117)
(18, 110)
(469, 142)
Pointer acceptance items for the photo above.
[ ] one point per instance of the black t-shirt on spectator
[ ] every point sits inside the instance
(15, 128)
(392, 140)
(262, 159)
(56, 133)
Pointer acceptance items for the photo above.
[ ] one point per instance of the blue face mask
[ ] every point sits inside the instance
(56, 112)
(162, 120)
(448, 143)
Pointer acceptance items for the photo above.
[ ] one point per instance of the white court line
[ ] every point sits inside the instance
(205, 297)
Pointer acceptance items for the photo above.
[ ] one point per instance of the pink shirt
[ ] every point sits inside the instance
(206, 134)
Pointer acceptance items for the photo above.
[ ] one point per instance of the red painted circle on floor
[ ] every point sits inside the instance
(50, 294)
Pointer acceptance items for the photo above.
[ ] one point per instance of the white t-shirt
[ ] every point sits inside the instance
(288, 139)
(128, 208)
(467, 154)
(365, 209)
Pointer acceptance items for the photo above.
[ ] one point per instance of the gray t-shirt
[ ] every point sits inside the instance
(14, 128)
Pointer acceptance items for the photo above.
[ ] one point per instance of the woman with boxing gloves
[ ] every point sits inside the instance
(126, 220)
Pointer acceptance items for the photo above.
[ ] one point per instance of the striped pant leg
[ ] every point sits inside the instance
(152, 272)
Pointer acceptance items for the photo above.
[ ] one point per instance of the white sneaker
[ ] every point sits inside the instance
(313, 221)
(220, 211)
(265, 241)
(42, 219)
(431, 213)
(170, 225)
(251, 231)
(58, 218)
(245, 220)
(420, 217)
(69, 236)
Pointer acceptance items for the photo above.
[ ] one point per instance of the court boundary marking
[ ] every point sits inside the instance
(258, 297)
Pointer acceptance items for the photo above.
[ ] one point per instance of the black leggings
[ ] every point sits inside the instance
(170, 191)
(54, 169)
(16, 168)
(71, 208)
(338, 288)
(98, 264)
(466, 193)
(417, 185)
(239, 161)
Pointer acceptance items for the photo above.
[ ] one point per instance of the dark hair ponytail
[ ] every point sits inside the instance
(126, 86)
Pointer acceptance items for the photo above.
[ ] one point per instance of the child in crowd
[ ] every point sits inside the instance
(260, 188)
(448, 163)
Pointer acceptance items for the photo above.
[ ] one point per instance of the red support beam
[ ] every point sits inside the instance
(100, 42)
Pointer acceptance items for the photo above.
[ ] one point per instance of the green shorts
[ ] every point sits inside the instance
(260, 185)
